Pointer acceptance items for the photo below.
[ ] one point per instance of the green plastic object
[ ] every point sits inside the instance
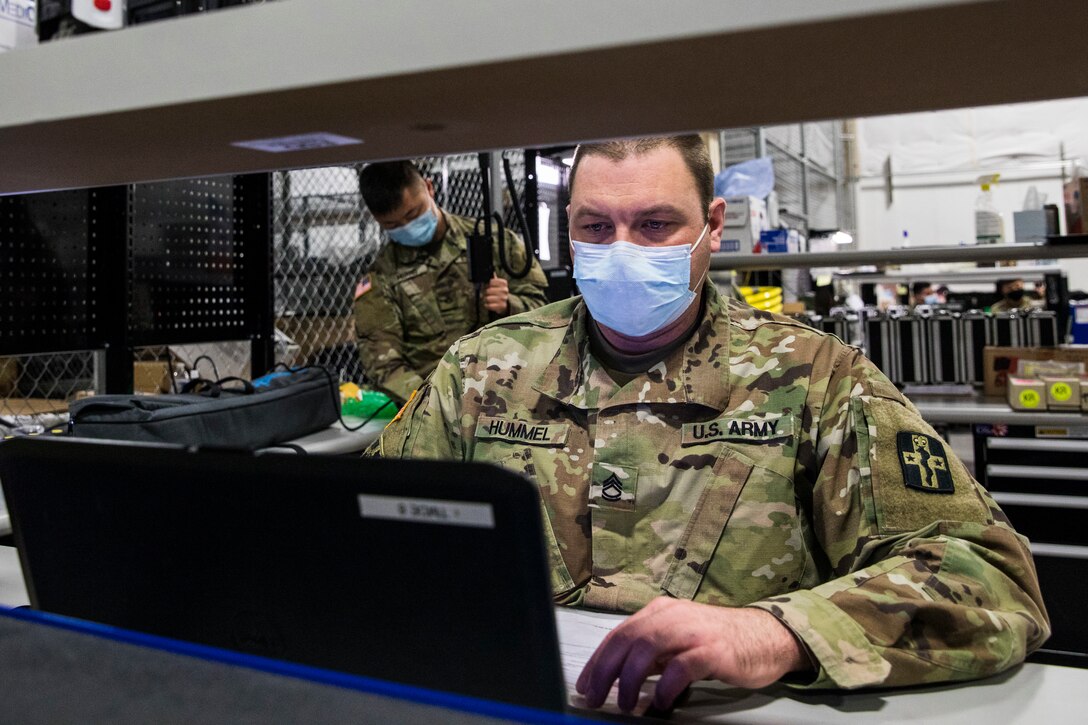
(373, 403)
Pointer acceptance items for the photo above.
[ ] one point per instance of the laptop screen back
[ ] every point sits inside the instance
(428, 573)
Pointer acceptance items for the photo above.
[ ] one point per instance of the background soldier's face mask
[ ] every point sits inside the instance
(418, 232)
(635, 290)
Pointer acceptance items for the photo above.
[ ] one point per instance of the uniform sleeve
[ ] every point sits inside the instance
(379, 337)
(426, 427)
(529, 292)
(929, 582)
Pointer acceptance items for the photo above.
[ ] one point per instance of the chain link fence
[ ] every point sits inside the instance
(325, 240)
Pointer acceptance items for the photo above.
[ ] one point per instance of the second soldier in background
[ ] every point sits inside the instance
(417, 299)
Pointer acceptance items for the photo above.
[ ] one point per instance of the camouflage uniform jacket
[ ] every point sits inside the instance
(1004, 305)
(763, 463)
(420, 300)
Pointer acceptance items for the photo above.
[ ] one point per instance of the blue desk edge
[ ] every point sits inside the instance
(319, 675)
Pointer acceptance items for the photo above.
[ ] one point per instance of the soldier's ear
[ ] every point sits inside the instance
(430, 187)
(716, 221)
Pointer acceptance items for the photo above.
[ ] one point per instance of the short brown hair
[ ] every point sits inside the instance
(690, 147)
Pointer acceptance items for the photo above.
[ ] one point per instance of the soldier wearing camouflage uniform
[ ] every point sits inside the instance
(758, 465)
(417, 300)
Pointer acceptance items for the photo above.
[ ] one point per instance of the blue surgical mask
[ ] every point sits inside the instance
(632, 289)
(418, 232)
(933, 299)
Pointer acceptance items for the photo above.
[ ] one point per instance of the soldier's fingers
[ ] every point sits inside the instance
(641, 662)
(681, 671)
(604, 667)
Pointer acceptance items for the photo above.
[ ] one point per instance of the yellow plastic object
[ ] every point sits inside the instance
(349, 391)
(763, 298)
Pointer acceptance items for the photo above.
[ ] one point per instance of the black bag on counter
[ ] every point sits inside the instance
(230, 413)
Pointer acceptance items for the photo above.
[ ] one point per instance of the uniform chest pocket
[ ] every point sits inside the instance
(745, 539)
(453, 291)
(557, 540)
(419, 306)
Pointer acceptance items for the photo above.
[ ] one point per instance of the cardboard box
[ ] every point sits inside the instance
(793, 308)
(32, 406)
(1001, 362)
(151, 377)
(1062, 393)
(1026, 394)
(311, 334)
(9, 375)
(745, 218)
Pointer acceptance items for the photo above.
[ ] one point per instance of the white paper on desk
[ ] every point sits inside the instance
(580, 633)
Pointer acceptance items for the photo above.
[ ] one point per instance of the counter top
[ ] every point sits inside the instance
(336, 439)
(12, 589)
(74, 672)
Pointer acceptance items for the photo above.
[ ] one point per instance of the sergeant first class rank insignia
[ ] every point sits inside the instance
(925, 465)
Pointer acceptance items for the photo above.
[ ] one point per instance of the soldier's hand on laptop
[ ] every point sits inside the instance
(684, 642)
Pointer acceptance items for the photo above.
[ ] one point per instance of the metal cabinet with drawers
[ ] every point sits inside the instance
(1038, 474)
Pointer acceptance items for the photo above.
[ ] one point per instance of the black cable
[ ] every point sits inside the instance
(170, 365)
(336, 395)
(527, 236)
(291, 446)
(211, 362)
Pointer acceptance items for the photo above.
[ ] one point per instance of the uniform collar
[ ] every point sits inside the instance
(690, 374)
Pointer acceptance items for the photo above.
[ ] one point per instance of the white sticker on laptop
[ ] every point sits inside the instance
(427, 511)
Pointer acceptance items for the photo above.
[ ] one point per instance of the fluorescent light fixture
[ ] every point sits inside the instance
(546, 173)
(569, 161)
(842, 238)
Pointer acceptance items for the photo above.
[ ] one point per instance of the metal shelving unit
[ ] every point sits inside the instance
(980, 409)
(912, 255)
(200, 84)
(981, 274)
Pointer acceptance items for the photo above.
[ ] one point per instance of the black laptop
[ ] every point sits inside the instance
(427, 573)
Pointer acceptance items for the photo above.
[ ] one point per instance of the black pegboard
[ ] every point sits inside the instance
(130, 266)
(186, 262)
(47, 276)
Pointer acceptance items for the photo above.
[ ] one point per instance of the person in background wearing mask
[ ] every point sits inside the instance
(1013, 297)
(416, 299)
(756, 493)
(922, 293)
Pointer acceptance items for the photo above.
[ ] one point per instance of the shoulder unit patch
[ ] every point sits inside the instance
(924, 462)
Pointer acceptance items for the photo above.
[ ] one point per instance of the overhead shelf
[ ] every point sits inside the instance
(169, 99)
(912, 255)
(1034, 272)
(980, 409)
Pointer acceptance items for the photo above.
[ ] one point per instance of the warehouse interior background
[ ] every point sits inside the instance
(828, 175)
